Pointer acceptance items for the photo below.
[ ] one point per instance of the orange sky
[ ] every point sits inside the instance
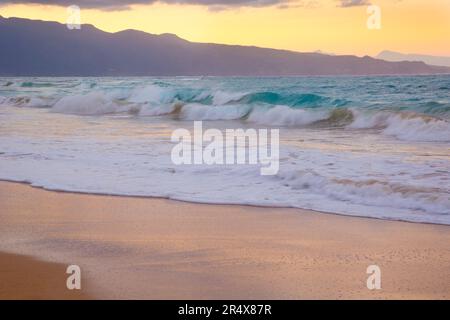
(409, 26)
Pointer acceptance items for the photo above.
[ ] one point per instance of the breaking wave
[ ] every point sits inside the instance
(404, 125)
(94, 103)
(370, 191)
(429, 122)
(339, 149)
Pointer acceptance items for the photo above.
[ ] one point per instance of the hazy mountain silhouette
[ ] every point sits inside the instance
(428, 59)
(41, 48)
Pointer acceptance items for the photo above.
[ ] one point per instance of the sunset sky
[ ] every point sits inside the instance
(334, 26)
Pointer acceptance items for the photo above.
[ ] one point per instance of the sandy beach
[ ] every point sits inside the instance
(23, 277)
(146, 248)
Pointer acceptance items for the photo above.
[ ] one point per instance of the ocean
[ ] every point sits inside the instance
(363, 146)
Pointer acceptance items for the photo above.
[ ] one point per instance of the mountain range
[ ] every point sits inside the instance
(44, 48)
(428, 59)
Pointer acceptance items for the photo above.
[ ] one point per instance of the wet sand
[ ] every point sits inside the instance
(131, 248)
(25, 278)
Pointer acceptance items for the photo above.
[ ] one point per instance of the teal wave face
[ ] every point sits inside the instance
(429, 95)
(308, 100)
(30, 84)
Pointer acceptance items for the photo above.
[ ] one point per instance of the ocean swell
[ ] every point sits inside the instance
(370, 146)
(281, 107)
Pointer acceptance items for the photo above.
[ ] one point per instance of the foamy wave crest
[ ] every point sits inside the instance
(285, 116)
(370, 192)
(418, 129)
(405, 126)
(151, 94)
(94, 103)
(205, 112)
(220, 97)
(369, 120)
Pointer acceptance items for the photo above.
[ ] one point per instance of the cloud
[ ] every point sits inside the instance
(308, 4)
(212, 4)
(124, 4)
(353, 3)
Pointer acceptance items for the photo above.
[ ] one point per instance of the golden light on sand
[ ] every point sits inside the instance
(418, 26)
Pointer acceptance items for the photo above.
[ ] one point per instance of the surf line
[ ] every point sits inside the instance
(235, 147)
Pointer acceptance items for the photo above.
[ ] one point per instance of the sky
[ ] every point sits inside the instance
(331, 26)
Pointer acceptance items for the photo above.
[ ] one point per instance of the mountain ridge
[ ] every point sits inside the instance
(388, 55)
(48, 48)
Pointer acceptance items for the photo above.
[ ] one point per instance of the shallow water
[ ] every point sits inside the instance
(368, 146)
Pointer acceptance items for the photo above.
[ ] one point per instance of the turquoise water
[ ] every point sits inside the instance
(371, 146)
(423, 94)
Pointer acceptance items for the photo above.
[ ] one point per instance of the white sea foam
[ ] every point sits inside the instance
(338, 182)
(404, 126)
(151, 94)
(221, 97)
(418, 128)
(356, 161)
(366, 120)
(372, 192)
(93, 103)
(196, 111)
(285, 116)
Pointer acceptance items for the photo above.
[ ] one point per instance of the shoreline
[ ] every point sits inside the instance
(154, 248)
(99, 194)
